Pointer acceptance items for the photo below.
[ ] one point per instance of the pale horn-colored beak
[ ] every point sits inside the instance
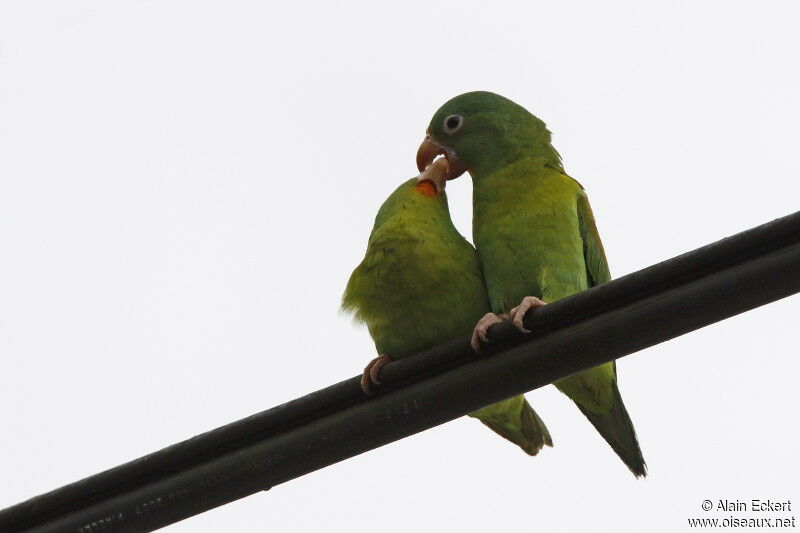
(436, 173)
(428, 151)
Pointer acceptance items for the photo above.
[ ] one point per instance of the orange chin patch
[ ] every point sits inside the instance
(427, 188)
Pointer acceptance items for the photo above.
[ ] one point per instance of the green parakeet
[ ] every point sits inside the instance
(420, 284)
(534, 232)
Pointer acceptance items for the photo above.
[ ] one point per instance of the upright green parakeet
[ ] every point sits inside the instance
(534, 232)
(420, 284)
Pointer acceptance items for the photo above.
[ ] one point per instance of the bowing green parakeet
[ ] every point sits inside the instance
(534, 232)
(420, 284)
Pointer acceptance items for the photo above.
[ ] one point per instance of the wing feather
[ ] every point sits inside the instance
(593, 253)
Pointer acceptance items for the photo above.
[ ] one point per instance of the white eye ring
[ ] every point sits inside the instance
(452, 123)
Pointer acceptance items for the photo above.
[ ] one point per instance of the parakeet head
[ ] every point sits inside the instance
(482, 131)
(419, 199)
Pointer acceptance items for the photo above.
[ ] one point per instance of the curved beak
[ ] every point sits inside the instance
(428, 151)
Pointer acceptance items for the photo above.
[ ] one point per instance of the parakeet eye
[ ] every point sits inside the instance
(453, 123)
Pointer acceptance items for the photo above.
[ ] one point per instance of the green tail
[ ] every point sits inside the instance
(515, 420)
(617, 429)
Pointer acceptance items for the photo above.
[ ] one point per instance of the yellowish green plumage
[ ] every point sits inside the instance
(420, 284)
(535, 233)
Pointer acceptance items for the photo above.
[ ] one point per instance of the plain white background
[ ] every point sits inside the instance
(186, 186)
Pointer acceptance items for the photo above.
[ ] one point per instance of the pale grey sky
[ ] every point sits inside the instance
(181, 182)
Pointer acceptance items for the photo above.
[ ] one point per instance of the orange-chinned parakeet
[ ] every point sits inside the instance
(535, 234)
(419, 285)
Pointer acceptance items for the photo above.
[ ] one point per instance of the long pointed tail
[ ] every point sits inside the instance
(617, 429)
(515, 420)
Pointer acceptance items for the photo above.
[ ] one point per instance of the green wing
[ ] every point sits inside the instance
(593, 252)
(615, 424)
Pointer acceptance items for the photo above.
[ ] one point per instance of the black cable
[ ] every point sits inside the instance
(663, 301)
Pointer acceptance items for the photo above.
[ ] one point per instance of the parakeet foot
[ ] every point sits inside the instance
(482, 328)
(518, 313)
(371, 374)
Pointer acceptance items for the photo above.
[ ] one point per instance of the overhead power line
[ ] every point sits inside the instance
(623, 316)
